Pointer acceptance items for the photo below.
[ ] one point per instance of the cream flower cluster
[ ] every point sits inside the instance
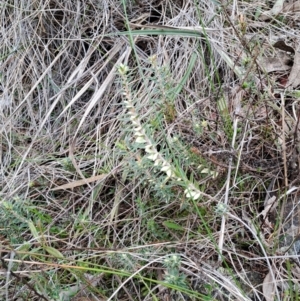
(141, 138)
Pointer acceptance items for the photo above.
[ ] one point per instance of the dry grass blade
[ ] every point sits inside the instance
(79, 182)
(98, 94)
(294, 78)
(293, 7)
(276, 9)
(269, 287)
(110, 57)
(33, 88)
(269, 206)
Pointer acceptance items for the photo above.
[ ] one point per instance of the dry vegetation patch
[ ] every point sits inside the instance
(149, 150)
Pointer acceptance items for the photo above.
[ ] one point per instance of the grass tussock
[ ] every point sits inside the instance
(149, 151)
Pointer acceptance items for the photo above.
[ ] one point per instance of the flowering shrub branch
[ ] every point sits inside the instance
(145, 142)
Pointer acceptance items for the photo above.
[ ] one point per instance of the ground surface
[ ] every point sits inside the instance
(149, 150)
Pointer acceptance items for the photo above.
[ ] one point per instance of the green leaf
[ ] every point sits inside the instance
(53, 252)
(173, 226)
(164, 31)
(33, 229)
(184, 79)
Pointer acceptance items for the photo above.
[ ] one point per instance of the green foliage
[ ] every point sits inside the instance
(155, 230)
(173, 275)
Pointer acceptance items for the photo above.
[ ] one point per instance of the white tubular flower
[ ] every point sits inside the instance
(138, 129)
(123, 69)
(150, 149)
(214, 174)
(153, 156)
(167, 168)
(132, 117)
(134, 122)
(157, 162)
(139, 134)
(128, 104)
(140, 139)
(196, 195)
(192, 192)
